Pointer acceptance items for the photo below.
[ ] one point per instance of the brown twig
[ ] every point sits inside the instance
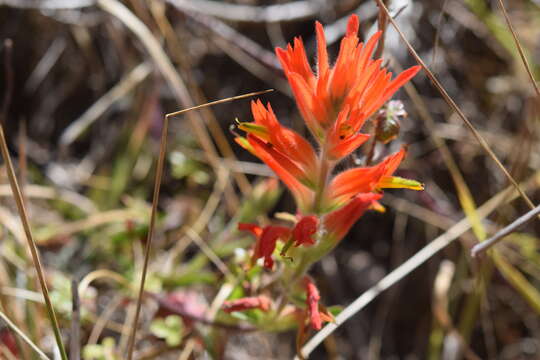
(17, 195)
(75, 337)
(520, 49)
(438, 33)
(382, 24)
(456, 108)
(155, 198)
(148, 246)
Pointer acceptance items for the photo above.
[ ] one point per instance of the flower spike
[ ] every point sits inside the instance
(356, 80)
(248, 303)
(338, 222)
(267, 238)
(304, 230)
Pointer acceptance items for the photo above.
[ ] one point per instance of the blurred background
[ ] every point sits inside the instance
(85, 92)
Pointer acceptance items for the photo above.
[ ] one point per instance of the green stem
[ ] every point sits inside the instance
(325, 168)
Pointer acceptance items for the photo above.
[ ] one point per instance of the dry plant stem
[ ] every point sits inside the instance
(12, 309)
(48, 4)
(128, 83)
(167, 70)
(221, 101)
(291, 11)
(407, 267)
(454, 106)
(176, 83)
(234, 37)
(148, 246)
(31, 244)
(382, 23)
(46, 192)
(157, 185)
(103, 318)
(514, 226)
(75, 345)
(438, 33)
(19, 200)
(13, 327)
(158, 10)
(520, 49)
(460, 184)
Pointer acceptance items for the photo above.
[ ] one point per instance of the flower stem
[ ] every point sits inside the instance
(324, 171)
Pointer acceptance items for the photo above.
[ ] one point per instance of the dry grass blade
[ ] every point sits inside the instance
(454, 106)
(25, 338)
(221, 101)
(128, 83)
(48, 4)
(157, 186)
(148, 246)
(520, 49)
(175, 81)
(464, 194)
(514, 226)
(291, 11)
(19, 200)
(75, 336)
(407, 267)
(166, 68)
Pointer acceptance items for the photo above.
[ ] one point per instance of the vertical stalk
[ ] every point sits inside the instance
(152, 225)
(18, 197)
(324, 171)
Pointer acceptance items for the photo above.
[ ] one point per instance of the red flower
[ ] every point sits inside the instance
(247, 303)
(368, 179)
(315, 315)
(288, 154)
(338, 222)
(304, 230)
(336, 101)
(266, 240)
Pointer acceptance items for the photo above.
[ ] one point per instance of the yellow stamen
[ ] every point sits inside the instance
(396, 182)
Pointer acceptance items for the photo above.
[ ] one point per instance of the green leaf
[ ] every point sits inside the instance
(171, 329)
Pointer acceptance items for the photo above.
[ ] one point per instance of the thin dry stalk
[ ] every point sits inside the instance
(25, 338)
(19, 200)
(455, 107)
(520, 49)
(155, 198)
(291, 11)
(438, 33)
(158, 10)
(124, 86)
(75, 336)
(382, 22)
(514, 226)
(103, 318)
(410, 265)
